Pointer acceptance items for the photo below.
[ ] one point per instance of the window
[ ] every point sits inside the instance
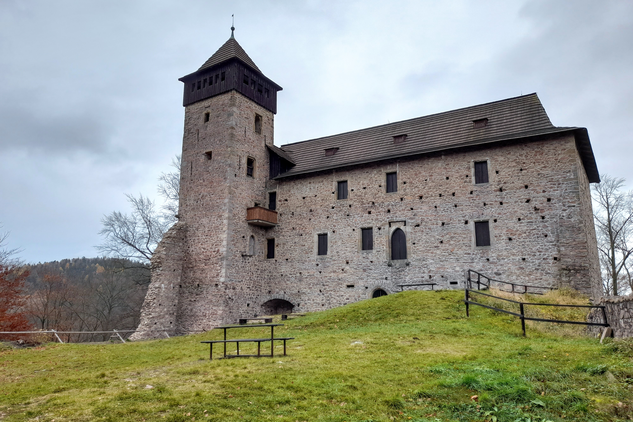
(398, 245)
(250, 167)
(479, 123)
(322, 244)
(330, 152)
(482, 233)
(272, 201)
(270, 248)
(222, 76)
(392, 182)
(198, 85)
(398, 139)
(245, 80)
(206, 117)
(251, 245)
(209, 155)
(481, 172)
(204, 82)
(341, 189)
(193, 87)
(258, 123)
(367, 238)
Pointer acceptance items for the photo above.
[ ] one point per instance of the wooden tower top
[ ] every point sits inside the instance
(230, 68)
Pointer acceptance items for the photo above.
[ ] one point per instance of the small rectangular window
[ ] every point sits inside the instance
(479, 123)
(322, 246)
(331, 151)
(399, 139)
(216, 78)
(272, 201)
(193, 87)
(209, 155)
(222, 76)
(250, 167)
(198, 85)
(270, 248)
(245, 80)
(204, 83)
(266, 92)
(481, 172)
(259, 88)
(210, 80)
(206, 117)
(367, 239)
(392, 182)
(482, 233)
(258, 123)
(341, 190)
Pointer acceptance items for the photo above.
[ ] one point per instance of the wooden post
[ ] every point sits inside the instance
(522, 318)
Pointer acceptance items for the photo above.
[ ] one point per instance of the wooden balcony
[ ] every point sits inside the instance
(259, 216)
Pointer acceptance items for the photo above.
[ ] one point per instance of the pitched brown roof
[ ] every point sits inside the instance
(514, 118)
(229, 50)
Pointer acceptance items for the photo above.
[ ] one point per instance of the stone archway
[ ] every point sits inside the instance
(378, 293)
(277, 307)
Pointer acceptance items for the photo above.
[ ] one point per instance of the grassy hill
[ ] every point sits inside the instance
(412, 356)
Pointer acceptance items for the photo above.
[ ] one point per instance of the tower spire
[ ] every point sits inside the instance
(232, 26)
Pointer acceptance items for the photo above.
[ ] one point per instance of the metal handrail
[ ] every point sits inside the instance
(522, 306)
(487, 283)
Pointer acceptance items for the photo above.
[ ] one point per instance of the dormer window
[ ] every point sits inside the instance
(479, 123)
(398, 139)
(331, 151)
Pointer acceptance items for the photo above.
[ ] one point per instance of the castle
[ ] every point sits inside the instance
(321, 223)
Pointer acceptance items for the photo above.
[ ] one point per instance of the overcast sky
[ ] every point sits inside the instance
(90, 102)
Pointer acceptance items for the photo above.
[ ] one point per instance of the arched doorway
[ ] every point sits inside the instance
(277, 307)
(398, 245)
(378, 293)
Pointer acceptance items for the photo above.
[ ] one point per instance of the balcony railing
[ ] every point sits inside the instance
(259, 216)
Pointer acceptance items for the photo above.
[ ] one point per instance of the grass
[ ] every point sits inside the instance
(412, 356)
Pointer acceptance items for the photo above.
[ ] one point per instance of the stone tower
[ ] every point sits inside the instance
(199, 270)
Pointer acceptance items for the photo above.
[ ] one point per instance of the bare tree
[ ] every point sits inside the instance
(613, 216)
(135, 236)
(169, 189)
(5, 252)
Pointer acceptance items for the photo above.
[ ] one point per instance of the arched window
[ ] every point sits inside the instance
(251, 245)
(398, 245)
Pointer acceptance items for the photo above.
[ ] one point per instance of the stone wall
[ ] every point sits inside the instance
(537, 203)
(619, 310)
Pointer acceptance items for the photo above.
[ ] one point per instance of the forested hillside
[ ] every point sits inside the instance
(85, 294)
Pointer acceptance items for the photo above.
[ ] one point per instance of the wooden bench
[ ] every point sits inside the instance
(259, 341)
(402, 286)
(243, 321)
(285, 317)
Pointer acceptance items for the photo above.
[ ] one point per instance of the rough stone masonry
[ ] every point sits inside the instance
(321, 223)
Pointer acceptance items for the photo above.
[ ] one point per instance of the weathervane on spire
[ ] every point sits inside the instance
(232, 25)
